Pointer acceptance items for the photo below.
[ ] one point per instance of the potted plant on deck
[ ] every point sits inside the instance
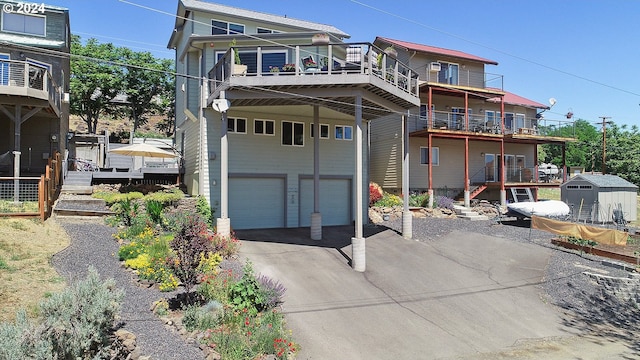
(238, 67)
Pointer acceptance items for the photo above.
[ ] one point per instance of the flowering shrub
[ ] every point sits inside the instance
(209, 262)
(444, 202)
(375, 193)
(225, 246)
(273, 291)
(389, 200)
(139, 262)
(419, 199)
(246, 294)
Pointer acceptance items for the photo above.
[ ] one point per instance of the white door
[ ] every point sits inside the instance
(257, 203)
(335, 202)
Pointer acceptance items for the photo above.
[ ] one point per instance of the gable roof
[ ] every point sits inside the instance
(205, 6)
(514, 99)
(604, 181)
(436, 50)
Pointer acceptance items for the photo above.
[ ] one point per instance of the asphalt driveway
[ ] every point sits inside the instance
(464, 295)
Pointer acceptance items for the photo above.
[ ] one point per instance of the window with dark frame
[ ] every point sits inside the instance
(263, 127)
(237, 125)
(344, 132)
(223, 28)
(292, 133)
(324, 131)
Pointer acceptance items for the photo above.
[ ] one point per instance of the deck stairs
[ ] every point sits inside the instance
(77, 182)
(468, 214)
(474, 190)
(521, 194)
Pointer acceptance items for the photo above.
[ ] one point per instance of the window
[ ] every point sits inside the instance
(344, 132)
(250, 58)
(424, 156)
(263, 127)
(222, 28)
(448, 73)
(24, 24)
(266, 31)
(508, 121)
(292, 133)
(237, 125)
(423, 112)
(324, 131)
(4, 69)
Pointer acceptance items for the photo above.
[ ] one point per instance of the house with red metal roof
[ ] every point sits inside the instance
(469, 139)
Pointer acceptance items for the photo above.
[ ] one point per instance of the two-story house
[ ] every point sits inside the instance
(35, 43)
(272, 114)
(469, 138)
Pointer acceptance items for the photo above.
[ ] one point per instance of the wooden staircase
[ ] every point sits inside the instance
(474, 190)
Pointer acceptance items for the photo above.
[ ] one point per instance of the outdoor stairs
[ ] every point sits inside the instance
(80, 205)
(77, 182)
(466, 213)
(521, 194)
(474, 190)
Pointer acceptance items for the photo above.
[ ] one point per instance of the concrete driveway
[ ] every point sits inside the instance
(463, 296)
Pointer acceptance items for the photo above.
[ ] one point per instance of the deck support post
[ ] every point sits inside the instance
(316, 217)
(407, 217)
(358, 253)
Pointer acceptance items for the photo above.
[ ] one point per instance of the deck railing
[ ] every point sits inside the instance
(475, 79)
(514, 174)
(318, 60)
(478, 123)
(22, 74)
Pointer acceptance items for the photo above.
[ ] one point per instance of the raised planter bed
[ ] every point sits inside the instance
(608, 253)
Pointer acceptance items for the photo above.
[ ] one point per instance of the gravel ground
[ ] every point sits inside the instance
(584, 304)
(92, 244)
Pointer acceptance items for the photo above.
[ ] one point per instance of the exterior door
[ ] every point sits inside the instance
(490, 167)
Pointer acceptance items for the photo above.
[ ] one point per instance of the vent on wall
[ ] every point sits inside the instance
(434, 66)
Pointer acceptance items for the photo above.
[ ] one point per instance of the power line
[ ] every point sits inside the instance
(494, 49)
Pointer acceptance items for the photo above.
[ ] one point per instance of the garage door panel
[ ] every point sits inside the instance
(335, 201)
(256, 203)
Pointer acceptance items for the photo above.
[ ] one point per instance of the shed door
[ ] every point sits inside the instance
(335, 202)
(257, 203)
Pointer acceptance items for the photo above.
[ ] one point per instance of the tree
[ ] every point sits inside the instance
(148, 85)
(93, 83)
(110, 80)
(579, 153)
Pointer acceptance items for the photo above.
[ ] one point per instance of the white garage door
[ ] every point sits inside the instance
(256, 203)
(335, 201)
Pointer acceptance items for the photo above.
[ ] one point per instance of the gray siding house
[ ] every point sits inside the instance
(277, 142)
(34, 85)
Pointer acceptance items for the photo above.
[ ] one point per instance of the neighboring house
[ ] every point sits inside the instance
(283, 143)
(34, 83)
(469, 138)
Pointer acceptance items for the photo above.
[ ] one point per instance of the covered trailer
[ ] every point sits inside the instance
(600, 198)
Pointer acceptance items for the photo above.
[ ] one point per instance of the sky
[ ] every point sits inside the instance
(583, 53)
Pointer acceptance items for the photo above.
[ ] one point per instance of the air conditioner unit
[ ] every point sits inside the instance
(434, 66)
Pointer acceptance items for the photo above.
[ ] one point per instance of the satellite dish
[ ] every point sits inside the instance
(552, 101)
(221, 105)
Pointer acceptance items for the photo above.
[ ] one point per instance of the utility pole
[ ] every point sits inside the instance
(604, 142)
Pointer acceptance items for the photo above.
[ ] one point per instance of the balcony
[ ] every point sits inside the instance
(481, 125)
(32, 85)
(467, 78)
(514, 175)
(289, 75)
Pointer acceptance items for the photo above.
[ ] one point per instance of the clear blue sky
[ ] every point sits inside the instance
(584, 53)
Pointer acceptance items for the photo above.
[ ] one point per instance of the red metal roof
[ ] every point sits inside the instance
(513, 99)
(436, 50)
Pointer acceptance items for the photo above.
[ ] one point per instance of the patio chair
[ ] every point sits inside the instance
(309, 64)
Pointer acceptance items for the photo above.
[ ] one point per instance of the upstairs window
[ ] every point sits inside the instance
(344, 132)
(237, 125)
(24, 24)
(448, 73)
(266, 31)
(263, 127)
(223, 28)
(292, 133)
(324, 131)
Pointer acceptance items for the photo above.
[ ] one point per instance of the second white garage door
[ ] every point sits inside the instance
(335, 201)
(257, 203)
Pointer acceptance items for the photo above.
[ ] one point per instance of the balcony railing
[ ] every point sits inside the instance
(22, 75)
(514, 174)
(475, 79)
(451, 121)
(317, 60)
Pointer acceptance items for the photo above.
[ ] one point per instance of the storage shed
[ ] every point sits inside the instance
(596, 197)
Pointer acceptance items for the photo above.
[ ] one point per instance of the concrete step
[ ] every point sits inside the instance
(76, 189)
(466, 213)
(476, 217)
(81, 207)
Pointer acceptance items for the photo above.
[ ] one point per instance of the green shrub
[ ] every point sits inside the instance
(389, 200)
(165, 198)
(75, 324)
(206, 211)
(113, 197)
(154, 210)
(419, 199)
(246, 293)
(131, 250)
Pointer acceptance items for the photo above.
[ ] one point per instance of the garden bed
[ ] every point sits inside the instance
(627, 253)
